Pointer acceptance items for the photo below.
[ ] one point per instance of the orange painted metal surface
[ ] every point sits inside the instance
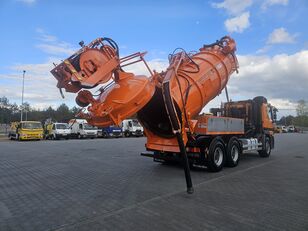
(267, 123)
(215, 65)
(194, 80)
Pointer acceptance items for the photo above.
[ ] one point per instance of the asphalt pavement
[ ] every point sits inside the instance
(104, 184)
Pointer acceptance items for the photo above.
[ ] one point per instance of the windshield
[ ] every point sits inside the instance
(89, 127)
(136, 123)
(31, 125)
(61, 126)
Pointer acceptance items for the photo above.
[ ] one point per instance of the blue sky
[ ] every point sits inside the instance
(271, 38)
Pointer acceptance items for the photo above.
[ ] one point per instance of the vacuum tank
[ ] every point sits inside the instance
(165, 103)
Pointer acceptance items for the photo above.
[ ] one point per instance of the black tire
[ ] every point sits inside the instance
(266, 152)
(217, 155)
(127, 134)
(233, 152)
(79, 136)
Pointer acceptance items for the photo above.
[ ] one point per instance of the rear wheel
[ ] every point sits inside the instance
(216, 157)
(233, 152)
(267, 148)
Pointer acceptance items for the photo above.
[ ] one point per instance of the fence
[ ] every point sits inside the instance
(4, 129)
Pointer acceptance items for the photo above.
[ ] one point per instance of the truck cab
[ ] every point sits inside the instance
(26, 130)
(132, 127)
(291, 128)
(111, 131)
(57, 131)
(80, 128)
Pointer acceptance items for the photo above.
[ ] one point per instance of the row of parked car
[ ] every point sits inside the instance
(76, 128)
(286, 129)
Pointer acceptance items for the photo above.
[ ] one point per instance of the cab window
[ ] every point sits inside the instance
(269, 113)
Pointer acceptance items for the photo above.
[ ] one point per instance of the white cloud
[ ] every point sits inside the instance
(283, 104)
(238, 24)
(280, 35)
(263, 49)
(27, 1)
(40, 85)
(56, 49)
(283, 77)
(45, 37)
(51, 45)
(268, 3)
(233, 7)
(237, 8)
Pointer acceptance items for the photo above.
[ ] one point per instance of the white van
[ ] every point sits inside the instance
(81, 129)
(56, 131)
(132, 127)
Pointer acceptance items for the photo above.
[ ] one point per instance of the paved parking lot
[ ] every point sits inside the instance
(104, 184)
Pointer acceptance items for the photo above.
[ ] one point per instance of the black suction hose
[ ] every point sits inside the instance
(176, 127)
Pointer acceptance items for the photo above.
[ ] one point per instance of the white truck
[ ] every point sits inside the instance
(57, 131)
(81, 129)
(132, 127)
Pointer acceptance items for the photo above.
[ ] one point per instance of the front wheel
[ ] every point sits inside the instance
(216, 158)
(266, 152)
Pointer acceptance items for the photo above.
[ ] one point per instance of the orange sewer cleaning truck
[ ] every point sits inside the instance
(168, 104)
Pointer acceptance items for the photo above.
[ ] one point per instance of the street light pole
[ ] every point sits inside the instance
(22, 94)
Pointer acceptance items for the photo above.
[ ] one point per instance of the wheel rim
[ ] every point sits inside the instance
(218, 156)
(268, 147)
(234, 153)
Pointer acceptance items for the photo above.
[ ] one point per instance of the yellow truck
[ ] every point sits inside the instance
(26, 130)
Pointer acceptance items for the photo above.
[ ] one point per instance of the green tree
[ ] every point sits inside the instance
(302, 108)
(63, 113)
(286, 120)
(302, 113)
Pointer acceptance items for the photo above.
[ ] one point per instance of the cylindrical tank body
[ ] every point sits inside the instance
(197, 80)
(199, 88)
